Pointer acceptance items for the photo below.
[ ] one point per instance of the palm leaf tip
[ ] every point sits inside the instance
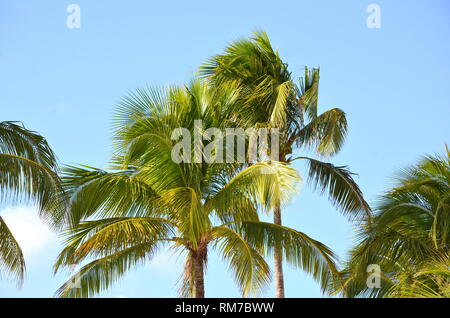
(342, 190)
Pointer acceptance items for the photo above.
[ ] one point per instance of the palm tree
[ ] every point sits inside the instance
(28, 174)
(123, 217)
(408, 237)
(271, 98)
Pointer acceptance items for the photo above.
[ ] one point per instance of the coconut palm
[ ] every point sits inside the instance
(271, 98)
(123, 217)
(27, 174)
(409, 237)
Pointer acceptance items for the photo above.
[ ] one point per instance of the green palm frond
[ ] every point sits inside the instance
(251, 272)
(25, 180)
(95, 192)
(309, 92)
(431, 280)
(253, 65)
(191, 216)
(28, 172)
(421, 290)
(15, 139)
(105, 236)
(297, 248)
(11, 256)
(142, 103)
(267, 183)
(325, 133)
(337, 181)
(101, 273)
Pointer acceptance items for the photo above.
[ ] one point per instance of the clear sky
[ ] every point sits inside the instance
(393, 83)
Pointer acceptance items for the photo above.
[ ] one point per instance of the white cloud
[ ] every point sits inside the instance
(30, 232)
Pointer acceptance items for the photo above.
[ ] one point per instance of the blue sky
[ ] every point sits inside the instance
(392, 82)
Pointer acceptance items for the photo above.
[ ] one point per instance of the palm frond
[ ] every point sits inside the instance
(108, 235)
(25, 180)
(267, 184)
(11, 256)
(100, 274)
(15, 139)
(325, 133)
(309, 92)
(343, 191)
(297, 248)
(251, 272)
(95, 192)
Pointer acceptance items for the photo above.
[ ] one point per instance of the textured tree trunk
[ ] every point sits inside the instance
(278, 259)
(198, 276)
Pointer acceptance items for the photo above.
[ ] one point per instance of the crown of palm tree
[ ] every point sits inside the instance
(270, 97)
(123, 217)
(409, 236)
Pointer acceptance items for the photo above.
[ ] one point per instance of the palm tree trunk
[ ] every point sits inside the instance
(278, 258)
(198, 276)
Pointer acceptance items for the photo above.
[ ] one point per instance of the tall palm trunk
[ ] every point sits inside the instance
(278, 258)
(199, 280)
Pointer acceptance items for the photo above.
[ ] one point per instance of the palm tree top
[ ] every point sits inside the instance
(269, 95)
(121, 218)
(408, 237)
